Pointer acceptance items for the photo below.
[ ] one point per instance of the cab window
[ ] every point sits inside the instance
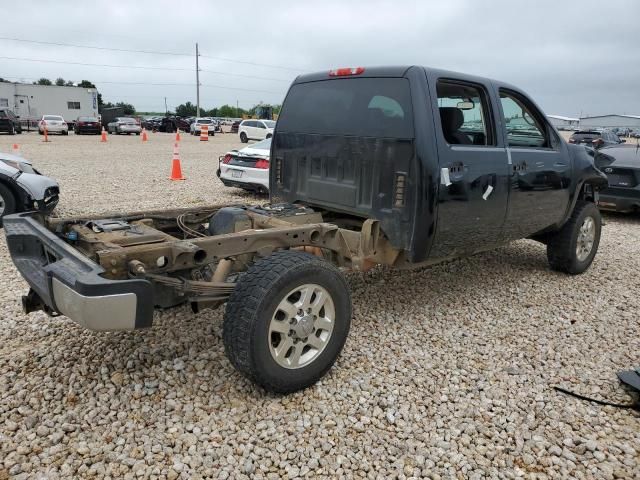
(464, 113)
(524, 126)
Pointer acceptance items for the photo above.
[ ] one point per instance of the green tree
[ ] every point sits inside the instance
(60, 82)
(43, 81)
(69, 83)
(127, 108)
(86, 84)
(186, 110)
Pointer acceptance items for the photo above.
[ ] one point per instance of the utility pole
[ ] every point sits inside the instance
(166, 110)
(237, 110)
(197, 84)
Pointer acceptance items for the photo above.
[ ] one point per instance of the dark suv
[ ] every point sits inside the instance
(9, 123)
(595, 138)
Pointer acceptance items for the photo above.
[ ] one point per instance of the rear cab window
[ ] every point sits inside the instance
(465, 115)
(366, 107)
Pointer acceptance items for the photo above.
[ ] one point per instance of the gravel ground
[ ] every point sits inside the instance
(447, 372)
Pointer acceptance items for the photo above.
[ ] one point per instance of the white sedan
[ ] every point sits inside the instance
(247, 168)
(195, 126)
(53, 124)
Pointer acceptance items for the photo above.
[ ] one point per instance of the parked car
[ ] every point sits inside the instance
(256, 130)
(397, 166)
(595, 138)
(124, 125)
(635, 133)
(90, 125)
(235, 125)
(195, 126)
(53, 124)
(23, 188)
(248, 168)
(621, 165)
(9, 122)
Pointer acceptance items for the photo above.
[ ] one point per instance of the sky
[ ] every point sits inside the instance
(574, 57)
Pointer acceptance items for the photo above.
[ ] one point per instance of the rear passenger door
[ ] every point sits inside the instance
(473, 189)
(540, 170)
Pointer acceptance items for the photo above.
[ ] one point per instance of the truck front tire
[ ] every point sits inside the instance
(287, 320)
(572, 249)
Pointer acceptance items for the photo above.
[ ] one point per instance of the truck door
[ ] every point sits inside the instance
(474, 171)
(540, 170)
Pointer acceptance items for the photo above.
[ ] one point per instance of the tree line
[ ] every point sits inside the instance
(183, 110)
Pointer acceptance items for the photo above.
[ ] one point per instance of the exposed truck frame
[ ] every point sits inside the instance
(339, 202)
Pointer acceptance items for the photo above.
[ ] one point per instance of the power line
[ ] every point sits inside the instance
(152, 52)
(39, 60)
(139, 67)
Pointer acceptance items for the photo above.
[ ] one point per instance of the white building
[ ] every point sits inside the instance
(30, 102)
(559, 121)
(608, 121)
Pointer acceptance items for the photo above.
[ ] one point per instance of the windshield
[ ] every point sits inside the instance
(269, 123)
(53, 117)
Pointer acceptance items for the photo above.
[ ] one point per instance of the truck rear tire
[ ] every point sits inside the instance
(7, 202)
(287, 320)
(572, 249)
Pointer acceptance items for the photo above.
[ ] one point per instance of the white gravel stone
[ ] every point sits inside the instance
(447, 372)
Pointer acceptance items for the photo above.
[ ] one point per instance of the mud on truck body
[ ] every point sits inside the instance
(396, 166)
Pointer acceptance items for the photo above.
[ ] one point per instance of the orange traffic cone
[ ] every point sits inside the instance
(177, 134)
(144, 135)
(176, 169)
(46, 135)
(15, 149)
(103, 135)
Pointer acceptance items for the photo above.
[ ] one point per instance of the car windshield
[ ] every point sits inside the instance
(269, 123)
(263, 145)
(53, 117)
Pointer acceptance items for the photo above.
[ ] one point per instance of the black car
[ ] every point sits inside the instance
(90, 125)
(621, 165)
(9, 123)
(595, 138)
(235, 126)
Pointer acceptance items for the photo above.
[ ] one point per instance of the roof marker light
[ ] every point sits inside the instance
(345, 72)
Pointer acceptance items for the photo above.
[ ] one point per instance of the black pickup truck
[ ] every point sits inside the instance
(400, 166)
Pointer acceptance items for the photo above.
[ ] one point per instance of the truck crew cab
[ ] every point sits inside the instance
(401, 166)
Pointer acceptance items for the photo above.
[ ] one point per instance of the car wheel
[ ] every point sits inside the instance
(12, 130)
(572, 249)
(243, 137)
(287, 320)
(7, 202)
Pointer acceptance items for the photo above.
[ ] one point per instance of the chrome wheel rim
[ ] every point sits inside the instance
(301, 326)
(586, 237)
(1, 205)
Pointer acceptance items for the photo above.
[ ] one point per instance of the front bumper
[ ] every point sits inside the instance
(63, 281)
